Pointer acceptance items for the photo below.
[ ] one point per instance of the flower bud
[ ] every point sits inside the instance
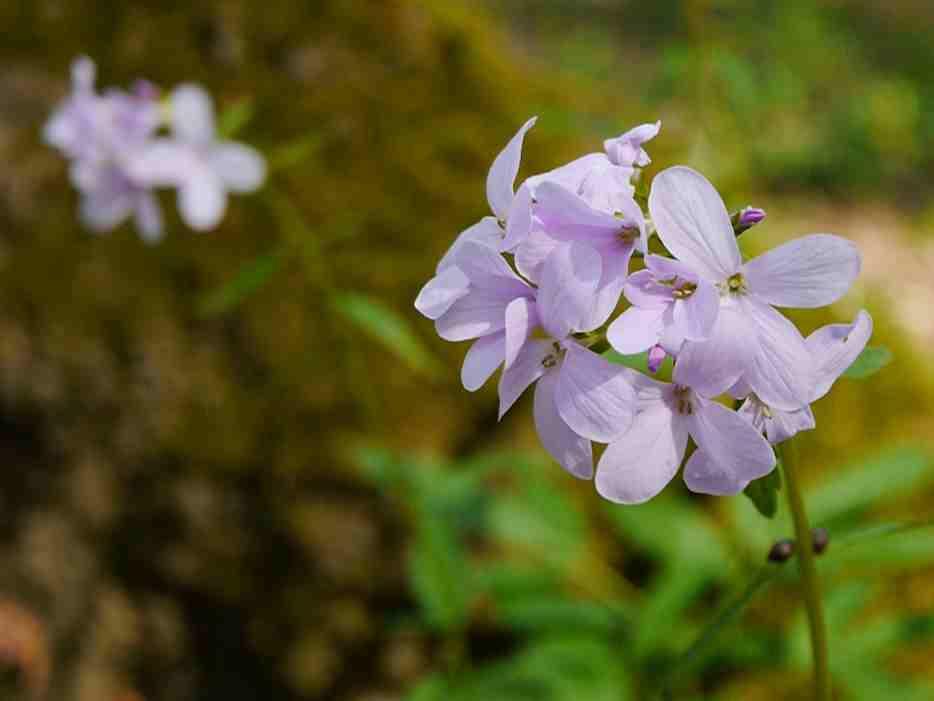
(782, 550)
(657, 356)
(746, 218)
(820, 539)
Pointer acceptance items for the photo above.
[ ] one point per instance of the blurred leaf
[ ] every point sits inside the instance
(706, 642)
(385, 325)
(869, 362)
(234, 118)
(294, 153)
(564, 668)
(763, 493)
(559, 614)
(861, 486)
(439, 574)
(250, 278)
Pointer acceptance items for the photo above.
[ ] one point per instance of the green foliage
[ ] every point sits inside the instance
(250, 278)
(763, 493)
(235, 117)
(583, 631)
(383, 324)
(869, 362)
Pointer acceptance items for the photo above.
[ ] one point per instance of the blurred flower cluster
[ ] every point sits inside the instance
(118, 155)
(536, 284)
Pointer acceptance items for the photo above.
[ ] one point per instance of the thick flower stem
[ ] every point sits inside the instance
(809, 582)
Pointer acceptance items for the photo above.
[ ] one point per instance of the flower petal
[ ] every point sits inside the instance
(637, 466)
(571, 175)
(528, 367)
(532, 253)
(164, 162)
(615, 265)
(485, 232)
(242, 168)
(519, 221)
(569, 281)
(521, 319)
(808, 272)
(148, 217)
(482, 359)
(635, 330)
(192, 114)
(692, 222)
(730, 451)
(711, 367)
(572, 452)
(594, 396)
(439, 293)
(834, 348)
(502, 176)
(627, 149)
(782, 425)
(697, 314)
(781, 370)
(202, 200)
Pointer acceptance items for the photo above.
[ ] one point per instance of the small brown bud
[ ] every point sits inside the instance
(782, 550)
(820, 539)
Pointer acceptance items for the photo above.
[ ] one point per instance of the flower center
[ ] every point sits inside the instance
(550, 360)
(682, 395)
(627, 234)
(735, 284)
(685, 291)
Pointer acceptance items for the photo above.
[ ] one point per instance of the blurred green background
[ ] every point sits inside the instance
(240, 466)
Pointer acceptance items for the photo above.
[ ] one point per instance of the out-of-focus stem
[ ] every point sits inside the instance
(810, 585)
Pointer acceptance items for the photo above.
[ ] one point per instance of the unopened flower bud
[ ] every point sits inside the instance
(820, 539)
(782, 550)
(746, 218)
(657, 356)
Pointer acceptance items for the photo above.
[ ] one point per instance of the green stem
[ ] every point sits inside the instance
(809, 582)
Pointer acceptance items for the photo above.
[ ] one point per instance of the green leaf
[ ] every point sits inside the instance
(386, 326)
(763, 493)
(234, 118)
(294, 153)
(869, 362)
(439, 574)
(250, 278)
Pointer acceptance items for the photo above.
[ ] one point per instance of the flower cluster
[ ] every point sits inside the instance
(535, 284)
(118, 156)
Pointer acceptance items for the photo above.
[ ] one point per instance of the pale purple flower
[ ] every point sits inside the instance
(748, 339)
(468, 298)
(671, 304)
(103, 135)
(580, 395)
(833, 349)
(202, 167)
(637, 466)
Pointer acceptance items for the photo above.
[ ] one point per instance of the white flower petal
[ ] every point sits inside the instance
(637, 466)
(808, 272)
(571, 451)
(594, 396)
(481, 361)
(692, 222)
(242, 168)
(192, 114)
(502, 176)
(834, 348)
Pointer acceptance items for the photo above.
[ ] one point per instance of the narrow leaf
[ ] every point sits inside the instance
(250, 278)
(869, 362)
(385, 325)
(234, 118)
